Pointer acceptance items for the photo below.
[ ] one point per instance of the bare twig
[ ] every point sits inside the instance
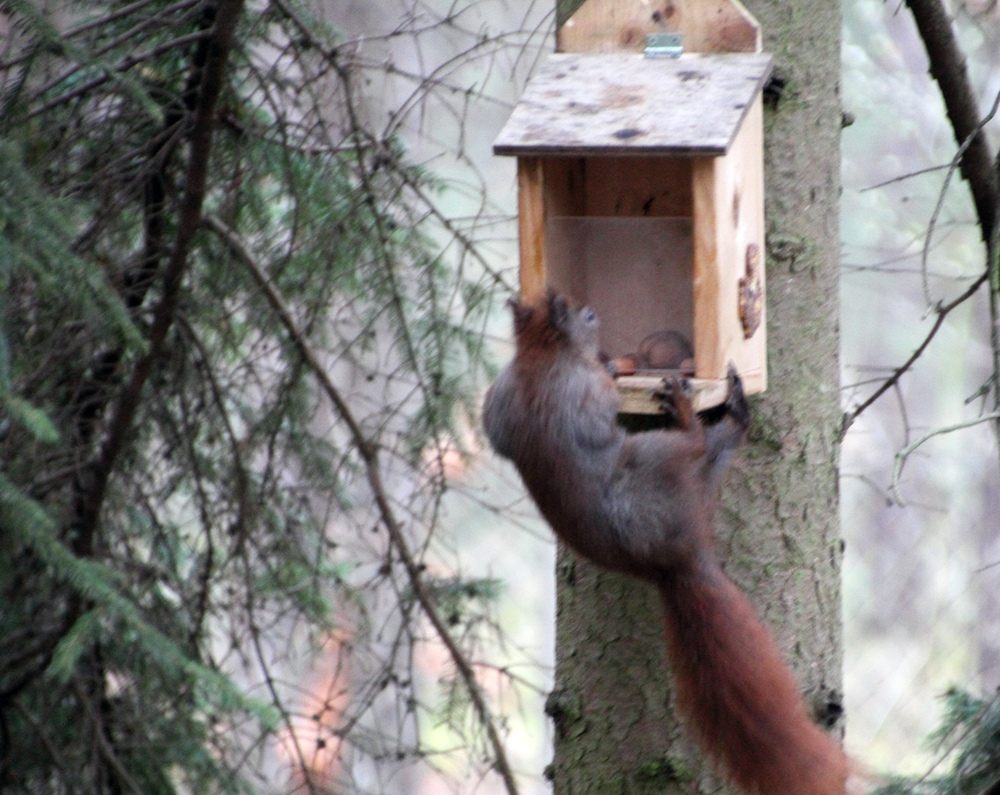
(993, 269)
(98, 22)
(121, 67)
(947, 66)
(286, 717)
(103, 745)
(942, 313)
(360, 145)
(120, 423)
(932, 224)
(370, 458)
(55, 754)
(141, 27)
(903, 177)
(905, 453)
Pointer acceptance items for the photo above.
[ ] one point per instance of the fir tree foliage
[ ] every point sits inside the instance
(969, 739)
(184, 515)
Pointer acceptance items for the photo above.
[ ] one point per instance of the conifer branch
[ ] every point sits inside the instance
(370, 458)
(120, 422)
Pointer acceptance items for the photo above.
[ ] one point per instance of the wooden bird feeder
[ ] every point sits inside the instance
(641, 194)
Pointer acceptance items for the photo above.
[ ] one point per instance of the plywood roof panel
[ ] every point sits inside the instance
(624, 103)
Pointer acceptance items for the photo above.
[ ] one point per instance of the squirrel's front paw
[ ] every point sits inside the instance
(736, 402)
(674, 395)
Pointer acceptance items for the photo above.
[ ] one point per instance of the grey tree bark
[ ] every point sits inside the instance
(778, 525)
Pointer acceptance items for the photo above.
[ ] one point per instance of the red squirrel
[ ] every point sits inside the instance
(642, 504)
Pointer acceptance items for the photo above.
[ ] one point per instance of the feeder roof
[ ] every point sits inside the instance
(625, 103)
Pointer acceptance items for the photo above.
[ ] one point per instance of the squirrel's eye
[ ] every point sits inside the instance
(588, 314)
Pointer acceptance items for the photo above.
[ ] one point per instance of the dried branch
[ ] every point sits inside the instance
(360, 146)
(104, 748)
(993, 269)
(120, 68)
(370, 458)
(956, 161)
(115, 43)
(286, 717)
(905, 453)
(99, 22)
(55, 755)
(371, 194)
(889, 383)
(903, 177)
(947, 66)
(219, 45)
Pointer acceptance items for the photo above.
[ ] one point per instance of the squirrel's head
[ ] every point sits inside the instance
(553, 320)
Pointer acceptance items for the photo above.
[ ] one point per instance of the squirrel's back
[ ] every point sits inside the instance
(642, 504)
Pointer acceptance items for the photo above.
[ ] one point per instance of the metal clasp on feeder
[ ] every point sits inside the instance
(664, 45)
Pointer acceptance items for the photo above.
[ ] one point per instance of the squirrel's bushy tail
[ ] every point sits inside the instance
(737, 696)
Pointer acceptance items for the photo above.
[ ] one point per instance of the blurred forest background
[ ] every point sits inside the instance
(304, 571)
(922, 565)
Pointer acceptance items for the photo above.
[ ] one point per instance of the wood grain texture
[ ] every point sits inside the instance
(634, 271)
(639, 392)
(650, 187)
(624, 104)
(708, 26)
(531, 226)
(728, 217)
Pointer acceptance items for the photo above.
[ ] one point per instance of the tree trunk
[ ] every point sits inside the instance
(778, 525)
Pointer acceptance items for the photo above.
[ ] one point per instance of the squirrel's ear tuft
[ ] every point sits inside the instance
(558, 309)
(522, 314)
